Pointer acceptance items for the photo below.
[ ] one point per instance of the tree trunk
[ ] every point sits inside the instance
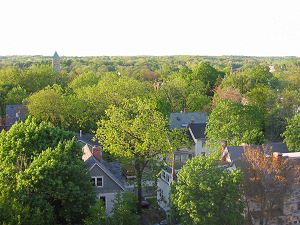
(139, 187)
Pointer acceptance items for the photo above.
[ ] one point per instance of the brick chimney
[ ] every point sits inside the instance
(185, 110)
(277, 156)
(96, 151)
(192, 120)
(224, 145)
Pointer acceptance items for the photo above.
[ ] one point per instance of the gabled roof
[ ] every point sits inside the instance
(197, 130)
(87, 139)
(112, 169)
(181, 120)
(14, 113)
(55, 56)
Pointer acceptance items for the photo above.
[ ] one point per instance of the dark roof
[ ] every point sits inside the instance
(56, 56)
(14, 113)
(87, 139)
(197, 130)
(181, 120)
(237, 151)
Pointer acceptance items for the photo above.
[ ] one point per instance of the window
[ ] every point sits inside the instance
(165, 176)
(97, 181)
(104, 200)
(184, 158)
(160, 192)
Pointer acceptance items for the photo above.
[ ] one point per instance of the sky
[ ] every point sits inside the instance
(150, 27)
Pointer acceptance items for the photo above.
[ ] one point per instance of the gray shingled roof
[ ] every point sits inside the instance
(237, 151)
(87, 139)
(181, 120)
(56, 56)
(198, 130)
(14, 113)
(112, 169)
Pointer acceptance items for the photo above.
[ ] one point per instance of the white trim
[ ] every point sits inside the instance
(107, 175)
(191, 132)
(96, 178)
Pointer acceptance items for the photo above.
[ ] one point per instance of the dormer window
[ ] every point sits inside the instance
(165, 176)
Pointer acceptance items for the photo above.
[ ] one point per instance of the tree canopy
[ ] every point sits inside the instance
(206, 193)
(292, 134)
(137, 134)
(235, 123)
(42, 176)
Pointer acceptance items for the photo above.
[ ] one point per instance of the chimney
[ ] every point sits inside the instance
(192, 120)
(185, 110)
(277, 156)
(224, 145)
(96, 151)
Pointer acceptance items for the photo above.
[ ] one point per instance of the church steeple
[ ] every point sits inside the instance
(56, 62)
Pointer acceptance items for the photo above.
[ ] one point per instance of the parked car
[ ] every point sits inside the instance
(144, 203)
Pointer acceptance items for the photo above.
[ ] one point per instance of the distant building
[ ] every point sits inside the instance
(14, 114)
(56, 62)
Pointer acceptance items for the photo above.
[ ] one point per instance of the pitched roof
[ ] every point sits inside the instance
(112, 169)
(197, 130)
(181, 120)
(237, 151)
(87, 139)
(56, 56)
(14, 113)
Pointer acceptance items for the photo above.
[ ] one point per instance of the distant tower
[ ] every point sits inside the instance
(56, 62)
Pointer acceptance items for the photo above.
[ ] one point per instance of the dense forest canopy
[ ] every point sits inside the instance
(77, 97)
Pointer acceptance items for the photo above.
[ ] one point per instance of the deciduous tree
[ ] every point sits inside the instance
(137, 134)
(236, 123)
(268, 179)
(206, 193)
(43, 179)
(292, 134)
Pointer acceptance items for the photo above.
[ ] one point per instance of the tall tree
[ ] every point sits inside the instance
(137, 134)
(206, 193)
(292, 133)
(43, 179)
(236, 123)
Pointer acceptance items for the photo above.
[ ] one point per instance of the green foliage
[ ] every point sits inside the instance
(235, 123)
(137, 134)
(42, 176)
(98, 214)
(292, 134)
(16, 96)
(124, 209)
(206, 193)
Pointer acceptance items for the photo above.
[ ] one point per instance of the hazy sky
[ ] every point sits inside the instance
(150, 27)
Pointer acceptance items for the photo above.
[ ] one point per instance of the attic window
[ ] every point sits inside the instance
(184, 125)
(178, 118)
(97, 181)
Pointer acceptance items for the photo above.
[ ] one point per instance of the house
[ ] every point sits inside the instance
(106, 176)
(182, 119)
(286, 209)
(196, 132)
(195, 124)
(14, 113)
